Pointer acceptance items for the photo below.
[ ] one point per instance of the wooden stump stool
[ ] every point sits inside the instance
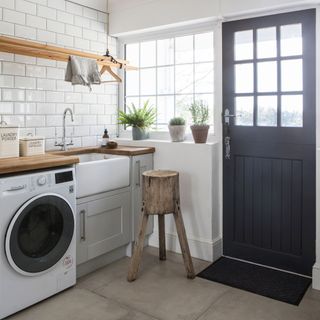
(160, 196)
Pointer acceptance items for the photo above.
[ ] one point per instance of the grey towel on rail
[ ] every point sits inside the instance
(82, 71)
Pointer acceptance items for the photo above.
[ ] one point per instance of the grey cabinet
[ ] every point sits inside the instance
(139, 165)
(103, 224)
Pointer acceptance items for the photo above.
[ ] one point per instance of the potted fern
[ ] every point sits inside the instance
(200, 115)
(140, 119)
(177, 129)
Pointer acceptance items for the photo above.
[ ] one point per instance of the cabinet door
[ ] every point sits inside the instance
(105, 227)
(140, 164)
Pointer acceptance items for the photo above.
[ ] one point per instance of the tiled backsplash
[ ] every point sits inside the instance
(33, 91)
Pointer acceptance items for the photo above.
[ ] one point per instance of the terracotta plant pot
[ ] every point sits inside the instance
(177, 132)
(200, 133)
(140, 133)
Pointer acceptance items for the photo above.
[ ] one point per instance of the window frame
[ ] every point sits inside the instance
(210, 26)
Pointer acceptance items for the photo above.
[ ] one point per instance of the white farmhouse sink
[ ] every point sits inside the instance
(99, 172)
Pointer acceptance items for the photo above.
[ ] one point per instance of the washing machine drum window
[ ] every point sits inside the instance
(39, 234)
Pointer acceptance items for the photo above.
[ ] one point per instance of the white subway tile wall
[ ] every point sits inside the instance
(33, 93)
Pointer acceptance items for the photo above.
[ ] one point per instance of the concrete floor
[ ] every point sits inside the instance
(163, 292)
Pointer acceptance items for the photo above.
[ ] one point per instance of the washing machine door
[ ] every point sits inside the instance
(39, 234)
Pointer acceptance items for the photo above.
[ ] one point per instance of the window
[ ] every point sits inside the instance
(173, 73)
(271, 62)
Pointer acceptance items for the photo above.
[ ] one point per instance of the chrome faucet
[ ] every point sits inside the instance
(63, 144)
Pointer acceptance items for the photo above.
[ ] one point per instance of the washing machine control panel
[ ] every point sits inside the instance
(35, 182)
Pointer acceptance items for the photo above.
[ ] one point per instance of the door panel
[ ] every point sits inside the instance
(269, 177)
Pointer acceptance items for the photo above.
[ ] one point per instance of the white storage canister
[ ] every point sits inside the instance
(31, 146)
(9, 140)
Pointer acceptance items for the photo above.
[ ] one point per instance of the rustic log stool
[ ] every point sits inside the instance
(160, 196)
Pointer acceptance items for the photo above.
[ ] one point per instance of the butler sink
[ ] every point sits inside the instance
(97, 172)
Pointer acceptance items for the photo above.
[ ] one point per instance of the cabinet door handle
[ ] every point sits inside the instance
(138, 173)
(83, 225)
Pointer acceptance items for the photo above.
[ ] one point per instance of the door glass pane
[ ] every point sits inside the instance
(267, 42)
(244, 111)
(292, 111)
(132, 83)
(148, 81)
(267, 76)
(243, 45)
(165, 110)
(291, 40)
(165, 52)
(244, 78)
(267, 111)
(291, 75)
(183, 103)
(165, 80)
(184, 79)
(184, 49)
(148, 54)
(132, 54)
(204, 78)
(203, 47)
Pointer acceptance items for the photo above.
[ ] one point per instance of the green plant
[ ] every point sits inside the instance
(199, 113)
(177, 121)
(138, 117)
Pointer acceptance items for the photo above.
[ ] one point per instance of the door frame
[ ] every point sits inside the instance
(219, 98)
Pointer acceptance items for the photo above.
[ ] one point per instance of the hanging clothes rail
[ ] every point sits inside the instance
(35, 49)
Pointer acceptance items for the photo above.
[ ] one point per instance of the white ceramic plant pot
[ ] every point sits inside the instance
(177, 133)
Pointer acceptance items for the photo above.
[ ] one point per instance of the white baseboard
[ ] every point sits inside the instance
(316, 276)
(199, 248)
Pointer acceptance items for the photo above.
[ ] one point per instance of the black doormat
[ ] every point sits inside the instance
(278, 285)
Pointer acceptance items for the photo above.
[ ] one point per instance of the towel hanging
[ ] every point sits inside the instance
(82, 71)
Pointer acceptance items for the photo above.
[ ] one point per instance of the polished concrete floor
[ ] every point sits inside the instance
(163, 292)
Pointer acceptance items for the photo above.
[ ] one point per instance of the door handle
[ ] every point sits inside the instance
(226, 116)
(82, 225)
(138, 163)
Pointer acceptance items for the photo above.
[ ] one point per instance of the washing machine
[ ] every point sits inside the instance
(37, 233)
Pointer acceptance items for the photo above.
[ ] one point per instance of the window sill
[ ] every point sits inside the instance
(164, 136)
(153, 141)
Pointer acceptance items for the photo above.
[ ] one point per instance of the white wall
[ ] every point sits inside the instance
(33, 93)
(129, 16)
(316, 268)
(100, 5)
(199, 192)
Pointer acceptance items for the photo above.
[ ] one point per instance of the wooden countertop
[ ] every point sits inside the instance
(44, 161)
(53, 159)
(120, 150)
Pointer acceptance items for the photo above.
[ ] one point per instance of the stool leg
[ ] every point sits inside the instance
(183, 242)
(162, 237)
(138, 248)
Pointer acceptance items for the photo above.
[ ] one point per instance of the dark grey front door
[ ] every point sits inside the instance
(269, 147)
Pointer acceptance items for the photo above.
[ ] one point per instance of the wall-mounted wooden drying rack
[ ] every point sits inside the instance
(34, 49)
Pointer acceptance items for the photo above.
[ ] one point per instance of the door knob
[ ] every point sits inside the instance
(226, 116)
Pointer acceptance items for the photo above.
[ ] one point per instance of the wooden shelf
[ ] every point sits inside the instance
(39, 50)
